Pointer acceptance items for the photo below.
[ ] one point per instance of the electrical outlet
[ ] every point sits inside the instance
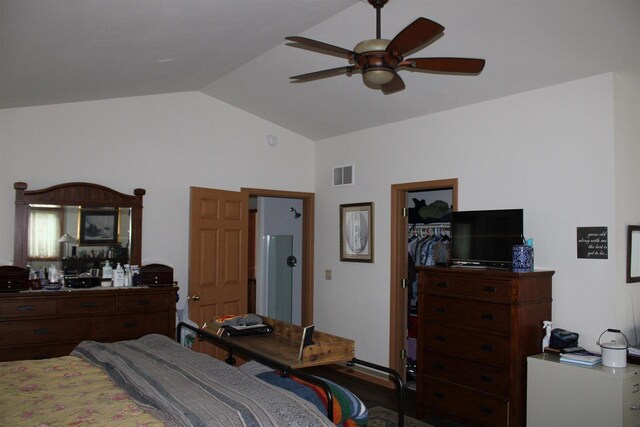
(327, 274)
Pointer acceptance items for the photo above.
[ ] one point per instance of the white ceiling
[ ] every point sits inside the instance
(56, 51)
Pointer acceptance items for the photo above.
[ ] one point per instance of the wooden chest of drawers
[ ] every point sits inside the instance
(41, 324)
(476, 329)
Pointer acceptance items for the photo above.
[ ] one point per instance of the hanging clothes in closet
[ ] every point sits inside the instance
(428, 245)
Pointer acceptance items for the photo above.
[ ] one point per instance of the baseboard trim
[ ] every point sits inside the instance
(365, 374)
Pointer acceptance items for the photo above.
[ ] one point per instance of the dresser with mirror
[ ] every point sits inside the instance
(100, 224)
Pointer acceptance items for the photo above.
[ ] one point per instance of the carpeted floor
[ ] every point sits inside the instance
(383, 417)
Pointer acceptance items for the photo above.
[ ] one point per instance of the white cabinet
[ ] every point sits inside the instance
(561, 394)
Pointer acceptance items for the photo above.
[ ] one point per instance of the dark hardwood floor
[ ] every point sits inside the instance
(373, 394)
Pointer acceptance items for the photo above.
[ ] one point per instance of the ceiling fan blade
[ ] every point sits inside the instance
(448, 65)
(322, 47)
(394, 85)
(322, 74)
(414, 35)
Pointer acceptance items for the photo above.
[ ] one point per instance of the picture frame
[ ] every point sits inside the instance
(633, 253)
(356, 232)
(307, 339)
(98, 226)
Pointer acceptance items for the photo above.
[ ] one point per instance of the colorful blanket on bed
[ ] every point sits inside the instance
(185, 388)
(348, 410)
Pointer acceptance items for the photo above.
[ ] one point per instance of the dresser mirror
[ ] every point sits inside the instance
(84, 224)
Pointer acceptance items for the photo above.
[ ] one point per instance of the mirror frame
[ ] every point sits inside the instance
(631, 229)
(77, 194)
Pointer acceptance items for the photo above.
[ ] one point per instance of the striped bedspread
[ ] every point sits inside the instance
(185, 388)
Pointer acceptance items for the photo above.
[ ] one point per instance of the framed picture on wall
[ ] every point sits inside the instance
(98, 226)
(356, 232)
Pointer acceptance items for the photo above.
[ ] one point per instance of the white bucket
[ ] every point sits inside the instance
(614, 354)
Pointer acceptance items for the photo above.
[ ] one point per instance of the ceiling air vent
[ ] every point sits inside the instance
(343, 175)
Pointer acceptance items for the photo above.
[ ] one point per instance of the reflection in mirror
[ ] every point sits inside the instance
(77, 226)
(77, 240)
(633, 253)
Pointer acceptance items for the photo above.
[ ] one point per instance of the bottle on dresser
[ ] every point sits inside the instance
(118, 276)
(107, 275)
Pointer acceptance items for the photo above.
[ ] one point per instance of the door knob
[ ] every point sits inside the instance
(195, 297)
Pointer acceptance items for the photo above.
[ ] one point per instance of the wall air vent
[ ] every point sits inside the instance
(343, 175)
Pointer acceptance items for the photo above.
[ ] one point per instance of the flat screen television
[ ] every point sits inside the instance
(485, 238)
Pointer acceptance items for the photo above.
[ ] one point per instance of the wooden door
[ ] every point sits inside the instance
(218, 227)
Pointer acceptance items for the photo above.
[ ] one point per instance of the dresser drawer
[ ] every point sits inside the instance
(143, 302)
(28, 307)
(464, 372)
(130, 326)
(88, 304)
(39, 331)
(492, 289)
(475, 314)
(465, 344)
(476, 408)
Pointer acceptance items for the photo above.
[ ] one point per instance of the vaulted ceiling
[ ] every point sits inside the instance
(57, 51)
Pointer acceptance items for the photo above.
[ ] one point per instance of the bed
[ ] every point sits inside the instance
(154, 381)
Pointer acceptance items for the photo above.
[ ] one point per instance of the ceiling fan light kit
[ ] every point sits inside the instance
(380, 59)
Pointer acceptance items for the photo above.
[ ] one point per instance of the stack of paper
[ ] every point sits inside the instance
(635, 350)
(583, 358)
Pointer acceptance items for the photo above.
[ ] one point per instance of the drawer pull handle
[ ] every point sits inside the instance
(440, 338)
(441, 310)
(42, 331)
(491, 289)
(131, 324)
(439, 366)
(486, 410)
(144, 302)
(26, 308)
(439, 395)
(486, 378)
(442, 284)
(486, 347)
(88, 305)
(487, 316)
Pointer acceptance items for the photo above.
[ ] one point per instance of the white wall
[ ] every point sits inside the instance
(627, 193)
(549, 151)
(162, 143)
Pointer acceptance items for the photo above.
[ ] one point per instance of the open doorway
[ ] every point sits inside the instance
(283, 219)
(218, 252)
(275, 265)
(400, 282)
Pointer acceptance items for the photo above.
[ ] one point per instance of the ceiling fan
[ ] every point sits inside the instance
(379, 60)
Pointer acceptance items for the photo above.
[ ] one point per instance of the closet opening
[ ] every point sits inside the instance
(420, 219)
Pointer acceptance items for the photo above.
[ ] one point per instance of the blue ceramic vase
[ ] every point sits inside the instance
(522, 258)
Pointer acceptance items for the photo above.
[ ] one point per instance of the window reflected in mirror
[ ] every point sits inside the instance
(77, 239)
